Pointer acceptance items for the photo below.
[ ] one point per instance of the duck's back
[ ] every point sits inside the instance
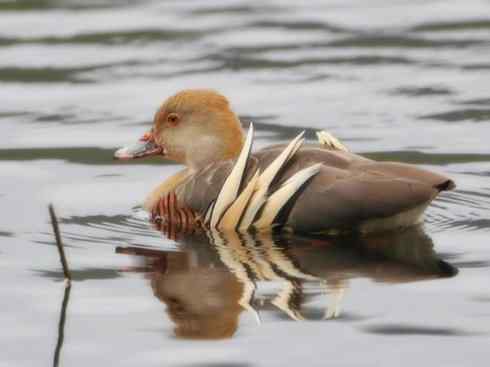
(349, 191)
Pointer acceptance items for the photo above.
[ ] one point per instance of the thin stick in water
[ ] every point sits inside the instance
(59, 244)
(61, 326)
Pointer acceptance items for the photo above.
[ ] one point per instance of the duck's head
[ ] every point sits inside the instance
(194, 127)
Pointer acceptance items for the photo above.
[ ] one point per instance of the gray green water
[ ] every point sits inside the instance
(399, 80)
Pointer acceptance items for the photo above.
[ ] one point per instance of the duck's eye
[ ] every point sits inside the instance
(173, 119)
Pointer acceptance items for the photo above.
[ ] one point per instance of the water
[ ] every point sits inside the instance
(396, 80)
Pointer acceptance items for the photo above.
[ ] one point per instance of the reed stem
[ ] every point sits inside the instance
(59, 244)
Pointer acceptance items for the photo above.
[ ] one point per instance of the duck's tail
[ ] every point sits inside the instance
(447, 185)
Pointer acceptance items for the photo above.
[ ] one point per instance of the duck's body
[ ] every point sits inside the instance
(346, 192)
(349, 192)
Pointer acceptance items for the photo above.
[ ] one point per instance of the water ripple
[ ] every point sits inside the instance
(460, 211)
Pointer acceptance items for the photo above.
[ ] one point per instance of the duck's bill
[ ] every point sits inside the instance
(145, 147)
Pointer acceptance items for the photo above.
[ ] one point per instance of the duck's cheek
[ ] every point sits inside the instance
(174, 147)
(173, 152)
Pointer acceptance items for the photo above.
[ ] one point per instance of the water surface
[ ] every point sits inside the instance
(395, 80)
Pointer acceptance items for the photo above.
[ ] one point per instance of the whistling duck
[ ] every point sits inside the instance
(310, 188)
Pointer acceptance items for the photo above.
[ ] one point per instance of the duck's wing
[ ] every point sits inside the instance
(311, 154)
(410, 172)
(342, 200)
(350, 190)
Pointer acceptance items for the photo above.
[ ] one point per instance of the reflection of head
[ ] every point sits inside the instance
(202, 302)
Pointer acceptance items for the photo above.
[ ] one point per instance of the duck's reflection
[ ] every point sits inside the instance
(215, 276)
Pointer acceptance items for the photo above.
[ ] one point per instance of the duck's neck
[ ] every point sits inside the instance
(207, 149)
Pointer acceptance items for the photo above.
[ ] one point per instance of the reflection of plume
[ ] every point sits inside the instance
(337, 291)
(280, 260)
(290, 297)
(289, 300)
(230, 255)
(256, 257)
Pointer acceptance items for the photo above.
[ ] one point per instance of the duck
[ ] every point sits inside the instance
(315, 188)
